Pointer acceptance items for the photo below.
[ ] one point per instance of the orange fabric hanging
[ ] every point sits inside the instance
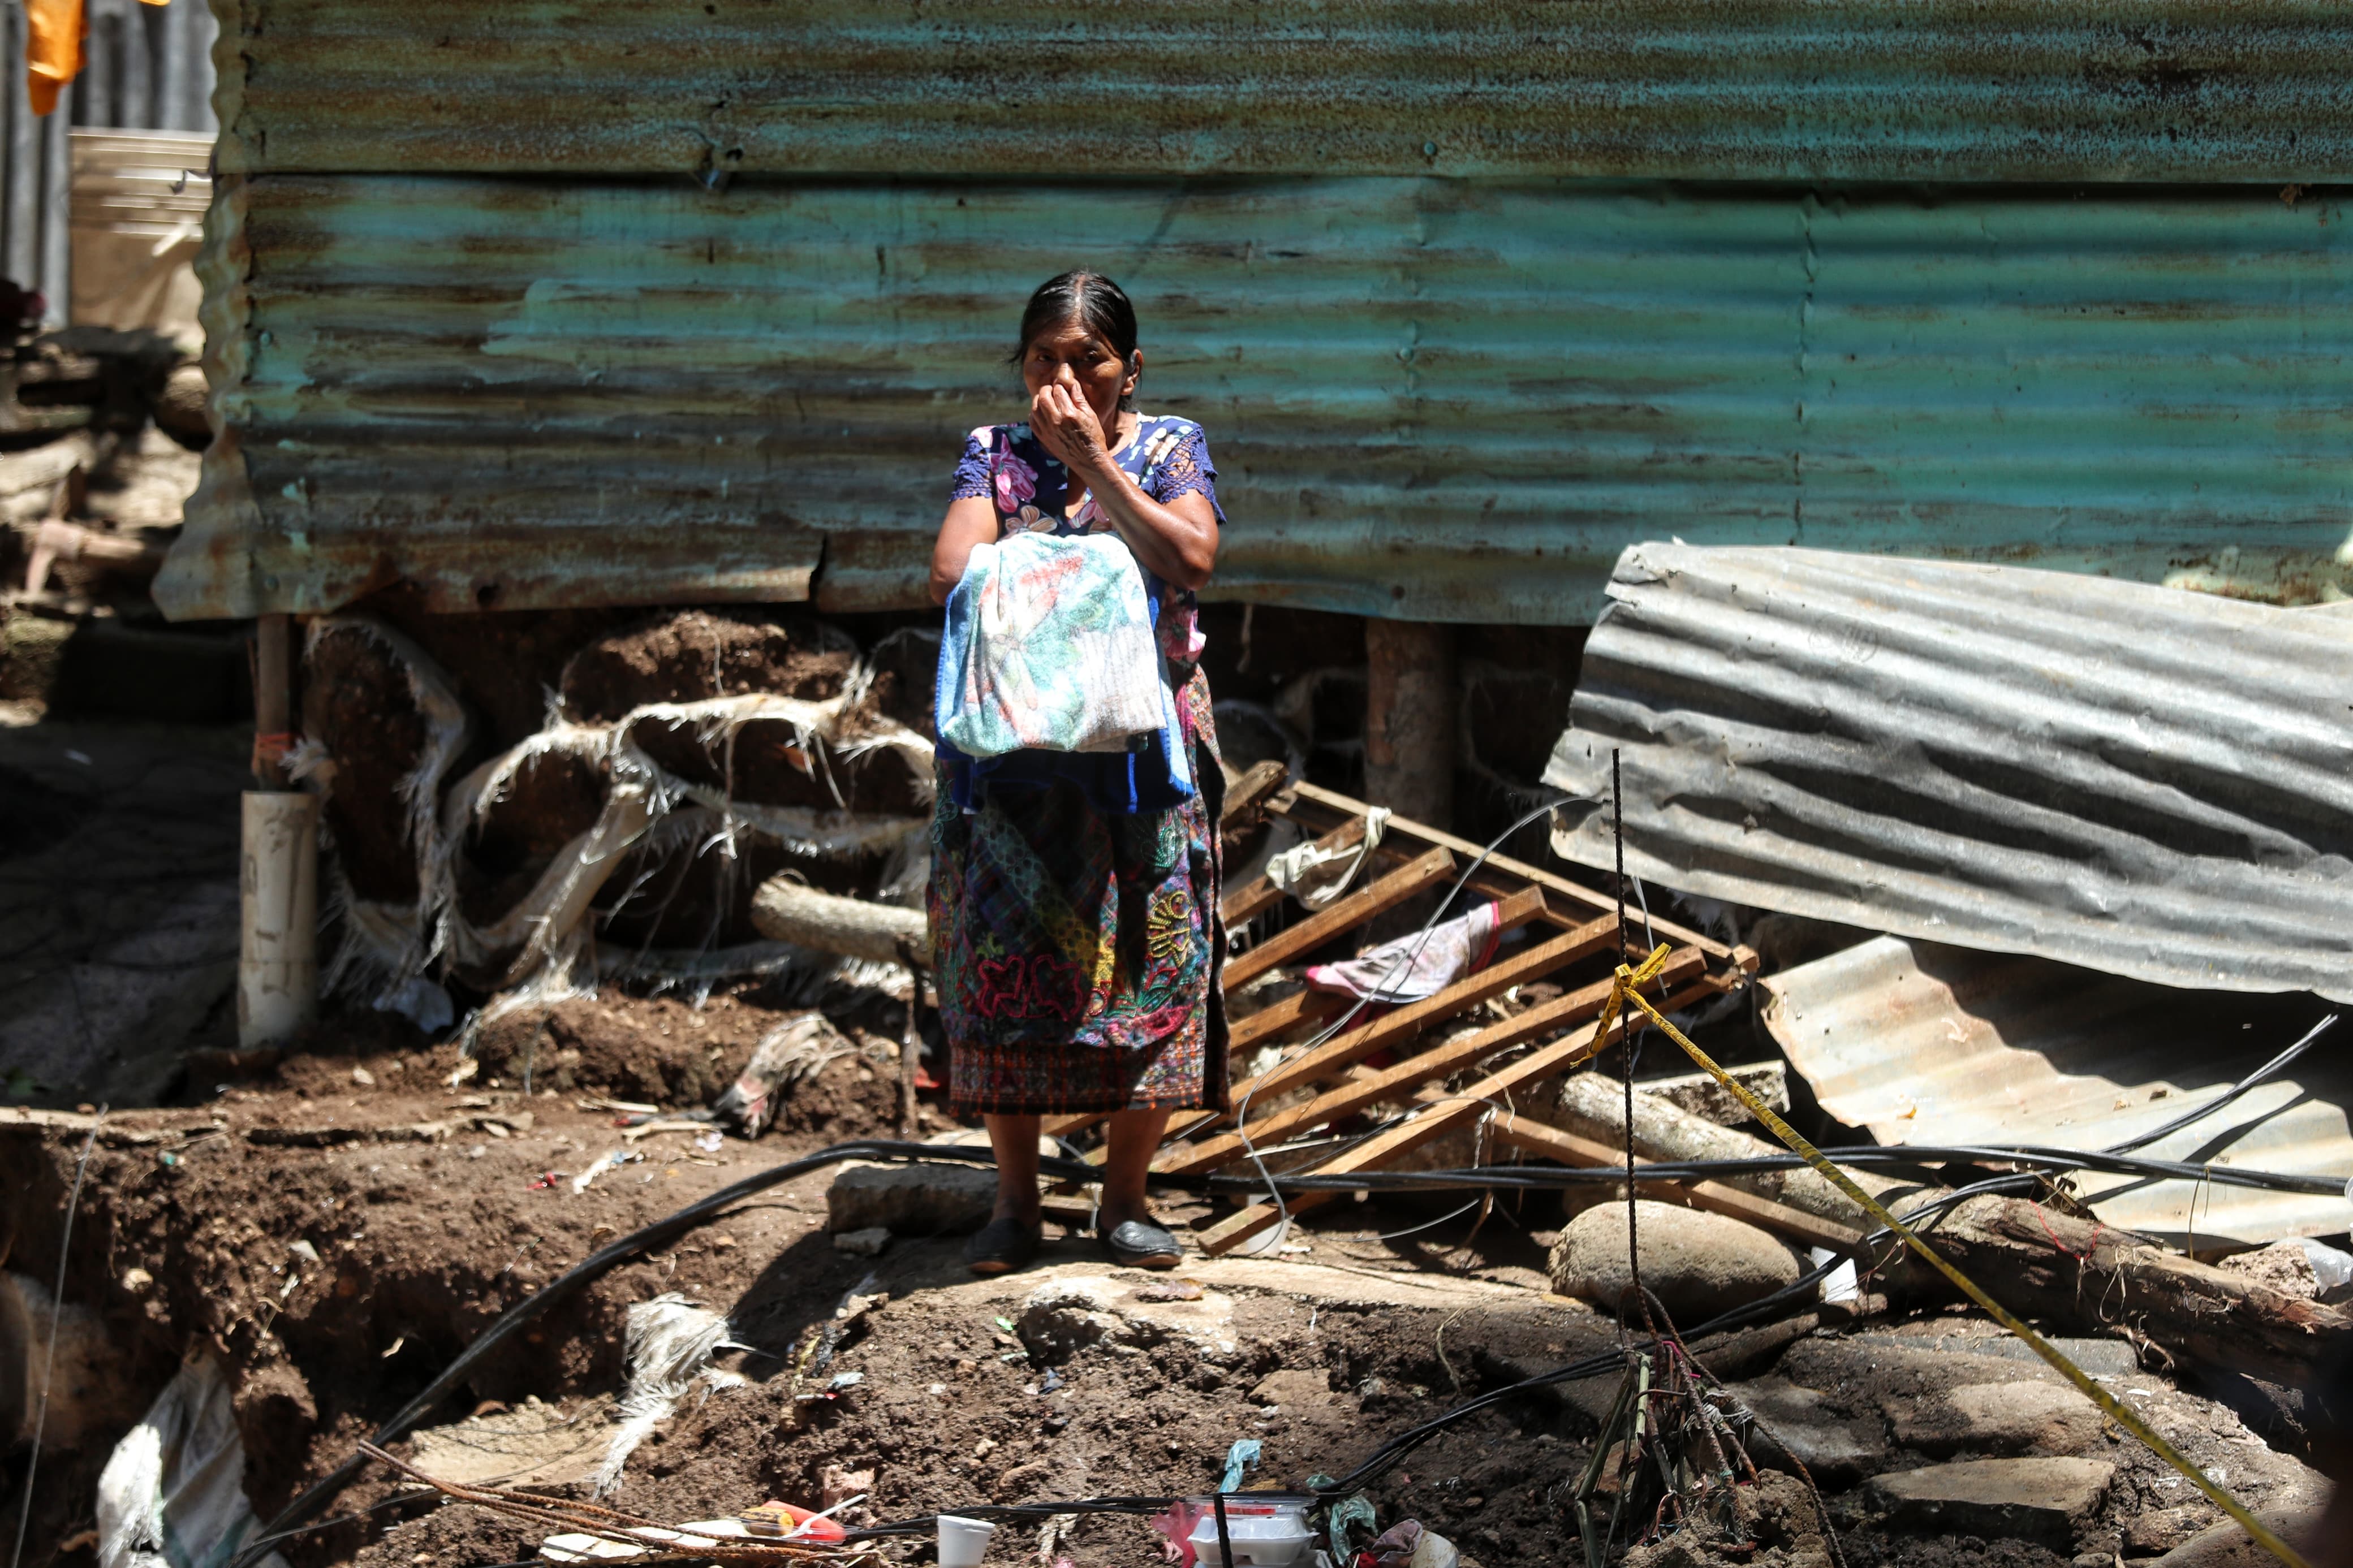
(54, 32)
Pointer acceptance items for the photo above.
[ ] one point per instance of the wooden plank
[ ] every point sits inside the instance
(1247, 797)
(1408, 1021)
(1392, 1083)
(1349, 913)
(1570, 1149)
(1466, 1106)
(1307, 1007)
(1318, 1006)
(1240, 906)
(1317, 805)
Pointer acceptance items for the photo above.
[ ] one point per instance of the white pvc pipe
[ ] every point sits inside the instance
(278, 940)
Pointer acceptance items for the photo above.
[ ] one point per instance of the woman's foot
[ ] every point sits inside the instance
(1002, 1245)
(1140, 1242)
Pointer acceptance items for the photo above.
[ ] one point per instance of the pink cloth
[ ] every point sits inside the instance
(1418, 966)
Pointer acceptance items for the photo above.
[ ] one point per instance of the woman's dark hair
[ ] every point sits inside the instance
(1091, 300)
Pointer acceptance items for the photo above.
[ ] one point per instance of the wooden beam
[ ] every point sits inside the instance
(1247, 797)
(1406, 1022)
(1468, 1106)
(1438, 1061)
(1316, 805)
(1307, 1007)
(1570, 1149)
(1348, 913)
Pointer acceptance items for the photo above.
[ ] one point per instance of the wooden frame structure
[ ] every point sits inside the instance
(1335, 1067)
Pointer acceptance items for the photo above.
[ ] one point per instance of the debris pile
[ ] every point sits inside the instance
(1733, 1212)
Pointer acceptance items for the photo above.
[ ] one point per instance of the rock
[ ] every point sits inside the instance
(179, 408)
(838, 1484)
(2226, 1545)
(1698, 1264)
(911, 1200)
(867, 1243)
(1997, 1418)
(2042, 1499)
(1292, 1390)
(1124, 1316)
(1837, 1453)
(2163, 1529)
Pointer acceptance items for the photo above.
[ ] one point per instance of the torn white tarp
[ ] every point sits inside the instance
(2140, 780)
(172, 1495)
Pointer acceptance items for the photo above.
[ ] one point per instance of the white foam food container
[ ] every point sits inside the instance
(1264, 1534)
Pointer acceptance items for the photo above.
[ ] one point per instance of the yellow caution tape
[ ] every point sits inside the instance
(1625, 990)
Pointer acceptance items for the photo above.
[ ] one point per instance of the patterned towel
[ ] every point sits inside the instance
(1048, 647)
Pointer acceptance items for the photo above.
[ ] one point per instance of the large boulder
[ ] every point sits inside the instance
(1697, 1264)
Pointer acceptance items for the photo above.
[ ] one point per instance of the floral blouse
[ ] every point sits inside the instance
(1167, 457)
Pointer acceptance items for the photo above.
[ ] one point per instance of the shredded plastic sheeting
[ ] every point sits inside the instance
(384, 945)
(669, 1342)
(173, 1493)
(539, 949)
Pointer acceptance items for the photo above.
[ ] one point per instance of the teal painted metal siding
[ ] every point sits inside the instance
(1746, 89)
(1428, 398)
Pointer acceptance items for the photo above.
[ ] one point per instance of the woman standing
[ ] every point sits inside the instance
(1077, 946)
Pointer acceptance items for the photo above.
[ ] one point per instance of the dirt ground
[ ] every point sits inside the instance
(341, 1229)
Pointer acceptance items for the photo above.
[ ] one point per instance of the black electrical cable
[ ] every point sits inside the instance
(2188, 1118)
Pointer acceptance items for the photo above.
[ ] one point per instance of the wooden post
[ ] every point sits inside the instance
(1411, 705)
(273, 699)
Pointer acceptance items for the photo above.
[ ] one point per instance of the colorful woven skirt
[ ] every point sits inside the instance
(1077, 950)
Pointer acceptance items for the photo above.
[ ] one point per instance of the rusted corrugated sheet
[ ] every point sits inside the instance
(2150, 784)
(1924, 1044)
(1436, 399)
(1845, 89)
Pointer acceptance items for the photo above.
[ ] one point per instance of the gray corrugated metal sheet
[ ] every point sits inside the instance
(1436, 399)
(1847, 90)
(2147, 782)
(1924, 1044)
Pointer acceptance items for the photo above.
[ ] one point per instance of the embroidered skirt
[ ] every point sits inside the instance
(1077, 950)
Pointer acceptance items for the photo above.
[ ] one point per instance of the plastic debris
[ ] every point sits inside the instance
(1264, 1532)
(1343, 1519)
(1243, 1455)
(1409, 1544)
(422, 1001)
(669, 1342)
(178, 1478)
(612, 1159)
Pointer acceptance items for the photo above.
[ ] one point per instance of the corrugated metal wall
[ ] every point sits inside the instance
(1448, 370)
(149, 69)
(1745, 89)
